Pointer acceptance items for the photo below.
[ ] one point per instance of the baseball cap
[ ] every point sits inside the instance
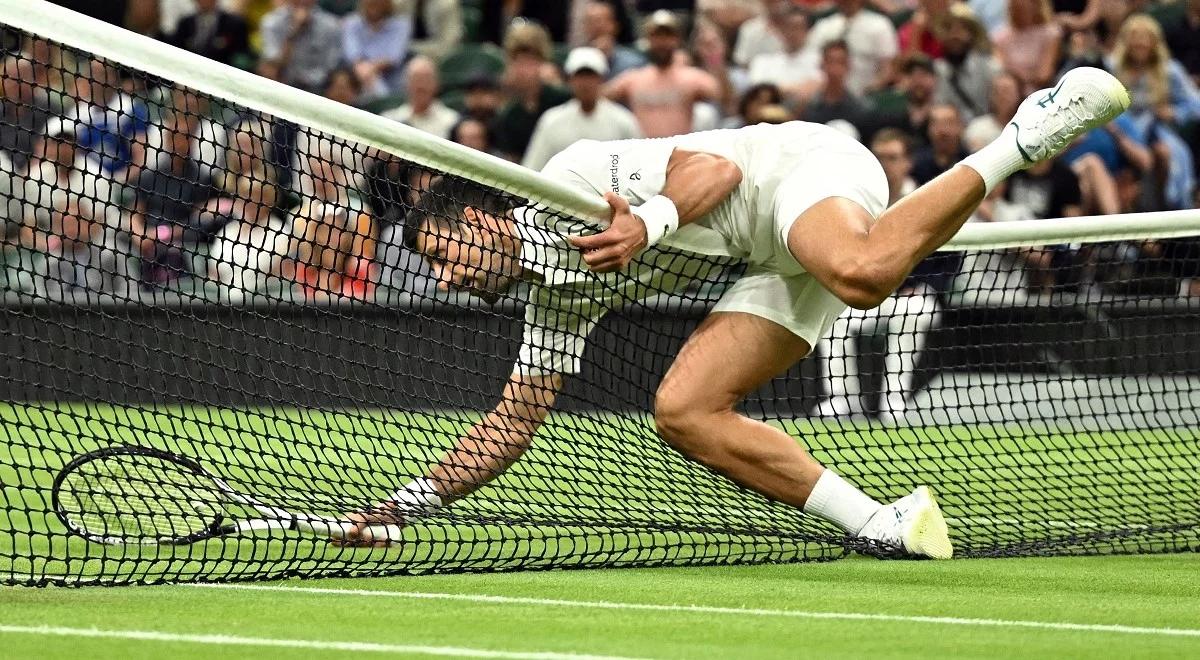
(586, 58)
(663, 20)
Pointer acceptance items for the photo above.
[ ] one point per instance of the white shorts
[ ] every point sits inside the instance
(784, 293)
(799, 303)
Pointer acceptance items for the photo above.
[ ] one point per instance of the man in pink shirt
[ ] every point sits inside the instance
(662, 93)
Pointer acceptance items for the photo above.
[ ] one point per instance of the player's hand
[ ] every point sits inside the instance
(612, 249)
(360, 534)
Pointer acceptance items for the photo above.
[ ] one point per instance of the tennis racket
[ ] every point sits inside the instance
(128, 495)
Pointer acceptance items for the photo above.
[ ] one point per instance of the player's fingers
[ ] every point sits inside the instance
(603, 255)
(617, 203)
(591, 242)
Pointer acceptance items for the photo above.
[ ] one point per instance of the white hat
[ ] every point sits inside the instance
(588, 58)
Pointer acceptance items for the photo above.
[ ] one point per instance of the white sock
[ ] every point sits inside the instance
(836, 500)
(998, 160)
(417, 498)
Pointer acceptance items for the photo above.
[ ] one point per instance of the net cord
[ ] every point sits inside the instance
(191, 70)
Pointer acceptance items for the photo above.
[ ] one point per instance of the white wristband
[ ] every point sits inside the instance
(660, 217)
(417, 498)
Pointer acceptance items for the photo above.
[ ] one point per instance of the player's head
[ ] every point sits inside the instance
(471, 246)
(665, 37)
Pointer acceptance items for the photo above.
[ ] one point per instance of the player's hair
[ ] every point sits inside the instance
(886, 135)
(443, 206)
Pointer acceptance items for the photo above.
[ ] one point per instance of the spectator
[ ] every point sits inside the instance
(993, 14)
(300, 45)
(214, 33)
(111, 124)
(907, 107)
(1049, 189)
(600, 30)
(834, 99)
(662, 94)
(342, 86)
(1077, 15)
(375, 43)
(471, 132)
(587, 116)
(905, 318)
(710, 53)
(1029, 44)
(481, 99)
(437, 26)
(1163, 98)
(30, 94)
(142, 16)
(967, 67)
(1183, 38)
(752, 103)
(1083, 48)
(1001, 278)
(871, 40)
(945, 144)
(169, 194)
(795, 68)
(925, 31)
(760, 35)
(251, 252)
(424, 110)
(332, 235)
(1003, 100)
(63, 206)
(527, 47)
(728, 15)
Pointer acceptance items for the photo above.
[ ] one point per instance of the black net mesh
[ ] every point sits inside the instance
(185, 274)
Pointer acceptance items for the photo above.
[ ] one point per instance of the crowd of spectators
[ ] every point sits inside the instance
(133, 159)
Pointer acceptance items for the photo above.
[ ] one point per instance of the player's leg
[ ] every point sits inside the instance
(727, 357)
(730, 355)
(862, 259)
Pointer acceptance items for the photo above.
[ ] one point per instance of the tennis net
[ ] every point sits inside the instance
(206, 264)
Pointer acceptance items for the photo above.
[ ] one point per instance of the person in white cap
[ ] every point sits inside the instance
(587, 116)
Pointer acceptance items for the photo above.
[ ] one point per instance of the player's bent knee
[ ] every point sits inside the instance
(677, 422)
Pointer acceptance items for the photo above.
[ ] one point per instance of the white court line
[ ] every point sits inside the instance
(310, 644)
(704, 609)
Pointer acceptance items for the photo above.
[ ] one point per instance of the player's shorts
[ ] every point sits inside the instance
(827, 165)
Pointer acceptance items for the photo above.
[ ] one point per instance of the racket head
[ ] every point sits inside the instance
(126, 494)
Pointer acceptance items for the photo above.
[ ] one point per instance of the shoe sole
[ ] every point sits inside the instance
(928, 534)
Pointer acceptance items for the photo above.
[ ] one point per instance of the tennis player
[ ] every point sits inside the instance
(803, 205)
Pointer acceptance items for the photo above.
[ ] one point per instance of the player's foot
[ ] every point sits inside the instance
(1050, 119)
(834, 406)
(913, 523)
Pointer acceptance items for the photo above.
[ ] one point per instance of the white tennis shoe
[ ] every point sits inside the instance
(1049, 120)
(913, 523)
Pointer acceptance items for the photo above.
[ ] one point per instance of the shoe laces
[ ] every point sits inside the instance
(1072, 114)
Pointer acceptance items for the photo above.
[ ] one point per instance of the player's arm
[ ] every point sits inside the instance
(496, 442)
(696, 183)
(483, 453)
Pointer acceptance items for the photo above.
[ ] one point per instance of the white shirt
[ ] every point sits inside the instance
(756, 37)
(562, 311)
(244, 254)
(564, 125)
(872, 40)
(786, 69)
(438, 120)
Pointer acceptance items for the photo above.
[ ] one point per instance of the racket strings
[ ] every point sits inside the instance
(139, 497)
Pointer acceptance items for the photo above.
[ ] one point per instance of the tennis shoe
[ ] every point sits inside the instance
(1049, 120)
(914, 524)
